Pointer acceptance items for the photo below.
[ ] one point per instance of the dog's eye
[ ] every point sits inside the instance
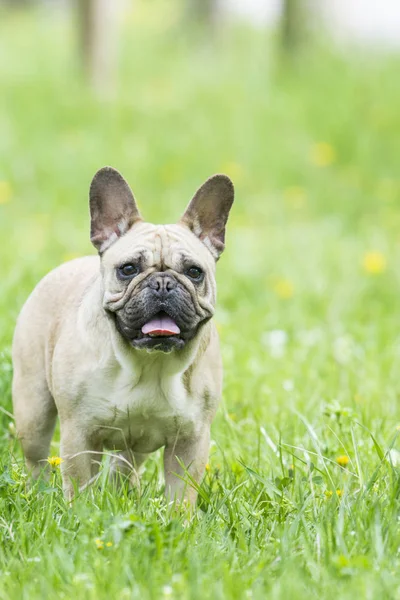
(195, 273)
(127, 271)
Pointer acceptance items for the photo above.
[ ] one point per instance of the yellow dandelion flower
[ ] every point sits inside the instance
(109, 544)
(208, 467)
(283, 288)
(5, 192)
(339, 493)
(343, 461)
(295, 196)
(323, 154)
(328, 494)
(99, 544)
(55, 461)
(374, 262)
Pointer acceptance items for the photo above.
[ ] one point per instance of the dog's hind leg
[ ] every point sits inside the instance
(35, 417)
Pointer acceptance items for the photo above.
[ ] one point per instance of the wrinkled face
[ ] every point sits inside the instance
(159, 284)
(159, 280)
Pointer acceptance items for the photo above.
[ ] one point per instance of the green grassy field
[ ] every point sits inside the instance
(308, 309)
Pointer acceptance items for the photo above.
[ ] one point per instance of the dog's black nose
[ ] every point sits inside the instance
(162, 283)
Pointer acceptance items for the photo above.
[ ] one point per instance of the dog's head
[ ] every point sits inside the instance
(158, 280)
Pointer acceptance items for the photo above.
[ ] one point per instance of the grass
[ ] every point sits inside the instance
(308, 308)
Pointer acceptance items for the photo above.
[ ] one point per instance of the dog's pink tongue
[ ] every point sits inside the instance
(162, 325)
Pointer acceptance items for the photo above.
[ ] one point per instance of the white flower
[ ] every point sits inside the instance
(167, 590)
(276, 341)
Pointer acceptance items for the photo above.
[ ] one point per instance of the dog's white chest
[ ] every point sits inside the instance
(143, 415)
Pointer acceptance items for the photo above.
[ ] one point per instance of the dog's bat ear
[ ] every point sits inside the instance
(207, 213)
(113, 208)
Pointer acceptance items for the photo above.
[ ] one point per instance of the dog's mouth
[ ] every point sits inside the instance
(161, 325)
(160, 333)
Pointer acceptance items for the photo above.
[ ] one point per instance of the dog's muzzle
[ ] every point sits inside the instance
(161, 314)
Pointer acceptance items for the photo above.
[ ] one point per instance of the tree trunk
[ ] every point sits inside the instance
(293, 25)
(97, 20)
(203, 12)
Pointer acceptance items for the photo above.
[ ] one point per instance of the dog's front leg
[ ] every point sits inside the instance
(192, 453)
(80, 459)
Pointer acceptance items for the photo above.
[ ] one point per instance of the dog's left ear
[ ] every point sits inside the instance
(207, 213)
(113, 209)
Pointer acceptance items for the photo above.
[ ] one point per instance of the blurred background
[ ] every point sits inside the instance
(297, 101)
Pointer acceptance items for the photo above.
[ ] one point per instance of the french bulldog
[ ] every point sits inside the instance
(122, 346)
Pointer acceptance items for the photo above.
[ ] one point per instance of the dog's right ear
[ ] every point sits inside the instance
(113, 208)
